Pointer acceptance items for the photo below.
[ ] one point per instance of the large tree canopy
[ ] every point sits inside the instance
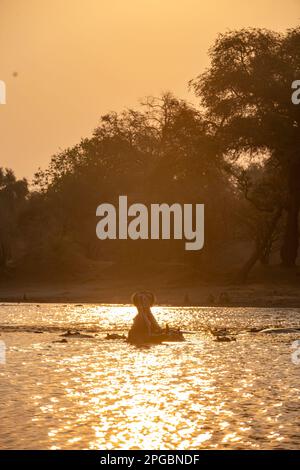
(238, 153)
(246, 94)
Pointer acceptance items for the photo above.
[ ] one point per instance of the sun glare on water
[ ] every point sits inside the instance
(92, 393)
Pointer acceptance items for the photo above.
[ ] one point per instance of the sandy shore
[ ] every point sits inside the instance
(251, 295)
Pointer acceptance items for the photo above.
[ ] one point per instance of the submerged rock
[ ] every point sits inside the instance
(280, 330)
(218, 331)
(254, 329)
(76, 334)
(115, 336)
(225, 339)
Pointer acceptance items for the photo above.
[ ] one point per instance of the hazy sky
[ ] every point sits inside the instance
(78, 59)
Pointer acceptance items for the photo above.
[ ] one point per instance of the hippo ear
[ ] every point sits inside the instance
(150, 296)
(135, 298)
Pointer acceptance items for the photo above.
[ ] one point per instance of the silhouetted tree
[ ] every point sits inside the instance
(246, 93)
(13, 194)
(163, 152)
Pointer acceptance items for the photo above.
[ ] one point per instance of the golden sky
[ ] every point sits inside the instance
(78, 59)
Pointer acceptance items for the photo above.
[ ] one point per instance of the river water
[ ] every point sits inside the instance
(93, 393)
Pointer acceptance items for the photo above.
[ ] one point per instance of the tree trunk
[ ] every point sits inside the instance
(289, 249)
(265, 256)
(3, 254)
(260, 247)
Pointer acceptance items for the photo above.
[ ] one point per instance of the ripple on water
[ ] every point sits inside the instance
(96, 394)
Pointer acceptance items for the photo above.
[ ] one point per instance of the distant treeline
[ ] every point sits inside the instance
(238, 152)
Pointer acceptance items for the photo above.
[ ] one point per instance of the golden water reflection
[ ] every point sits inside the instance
(100, 394)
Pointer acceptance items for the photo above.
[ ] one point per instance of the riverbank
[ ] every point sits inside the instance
(167, 293)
